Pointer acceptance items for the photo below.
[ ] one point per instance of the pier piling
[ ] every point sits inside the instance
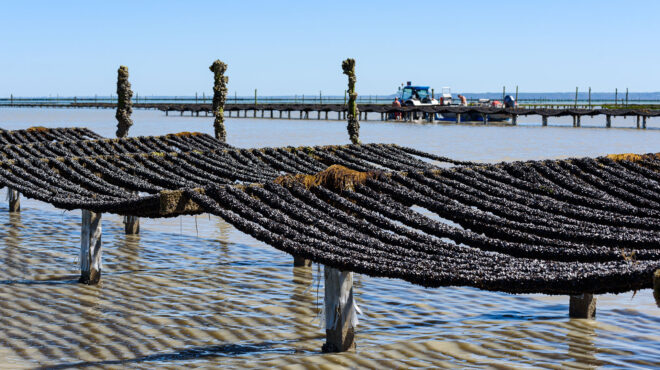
(544, 120)
(608, 121)
(90, 248)
(340, 315)
(582, 306)
(644, 122)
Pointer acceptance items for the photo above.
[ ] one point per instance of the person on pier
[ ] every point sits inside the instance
(397, 103)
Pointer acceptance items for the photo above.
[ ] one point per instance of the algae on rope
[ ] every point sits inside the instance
(219, 96)
(348, 66)
(124, 108)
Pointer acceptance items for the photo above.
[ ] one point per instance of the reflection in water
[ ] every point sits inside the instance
(580, 338)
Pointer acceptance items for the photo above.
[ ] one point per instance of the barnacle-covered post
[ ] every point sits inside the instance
(124, 122)
(90, 248)
(348, 66)
(124, 105)
(219, 96)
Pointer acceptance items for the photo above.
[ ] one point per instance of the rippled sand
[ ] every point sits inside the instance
(194, 292)
(170, 297)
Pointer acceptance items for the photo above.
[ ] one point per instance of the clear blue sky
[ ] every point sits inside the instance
(294, 47)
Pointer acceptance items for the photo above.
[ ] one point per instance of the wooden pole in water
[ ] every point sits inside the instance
(644, 122)
(255, 99)
(656, 287)
(516, 92)
(589, 96)
(626, 96)
(340, 313)
(544, 120)
(582, 306)
(219, 97)
(637, 121)
(14, 198)
(616, 96)
(348, 68)
(576, 96)
(90, 248)
(608, 121)
(301, 262)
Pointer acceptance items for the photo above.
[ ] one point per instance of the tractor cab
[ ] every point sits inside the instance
(416, 95)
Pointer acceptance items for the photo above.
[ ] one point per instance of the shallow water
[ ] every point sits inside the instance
(195, 292)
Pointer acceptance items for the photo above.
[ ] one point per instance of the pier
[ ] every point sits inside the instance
(378, 112)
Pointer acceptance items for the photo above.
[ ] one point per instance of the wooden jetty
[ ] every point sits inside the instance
(578, 227)
(376, 111)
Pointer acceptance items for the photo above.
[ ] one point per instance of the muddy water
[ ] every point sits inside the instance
(194, 292)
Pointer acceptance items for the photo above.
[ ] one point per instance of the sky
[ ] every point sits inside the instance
(73, 48)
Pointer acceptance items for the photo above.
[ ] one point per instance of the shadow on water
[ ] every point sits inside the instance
(224, 350)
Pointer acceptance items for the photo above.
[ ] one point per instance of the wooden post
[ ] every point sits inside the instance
(516, 92)
(544, 120)
(656, 287)
(574, 120)
(637, 121)
(616, 96)
(131, 225)
(608, 121)
(578, 117)
(589, 96)
(644, 122)
(485, 118)
(576, 97)
(14, 198)
(90, 248)
(514, 119)
(340, 313)
(301, 262)
(582, 306)
(458, 118)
